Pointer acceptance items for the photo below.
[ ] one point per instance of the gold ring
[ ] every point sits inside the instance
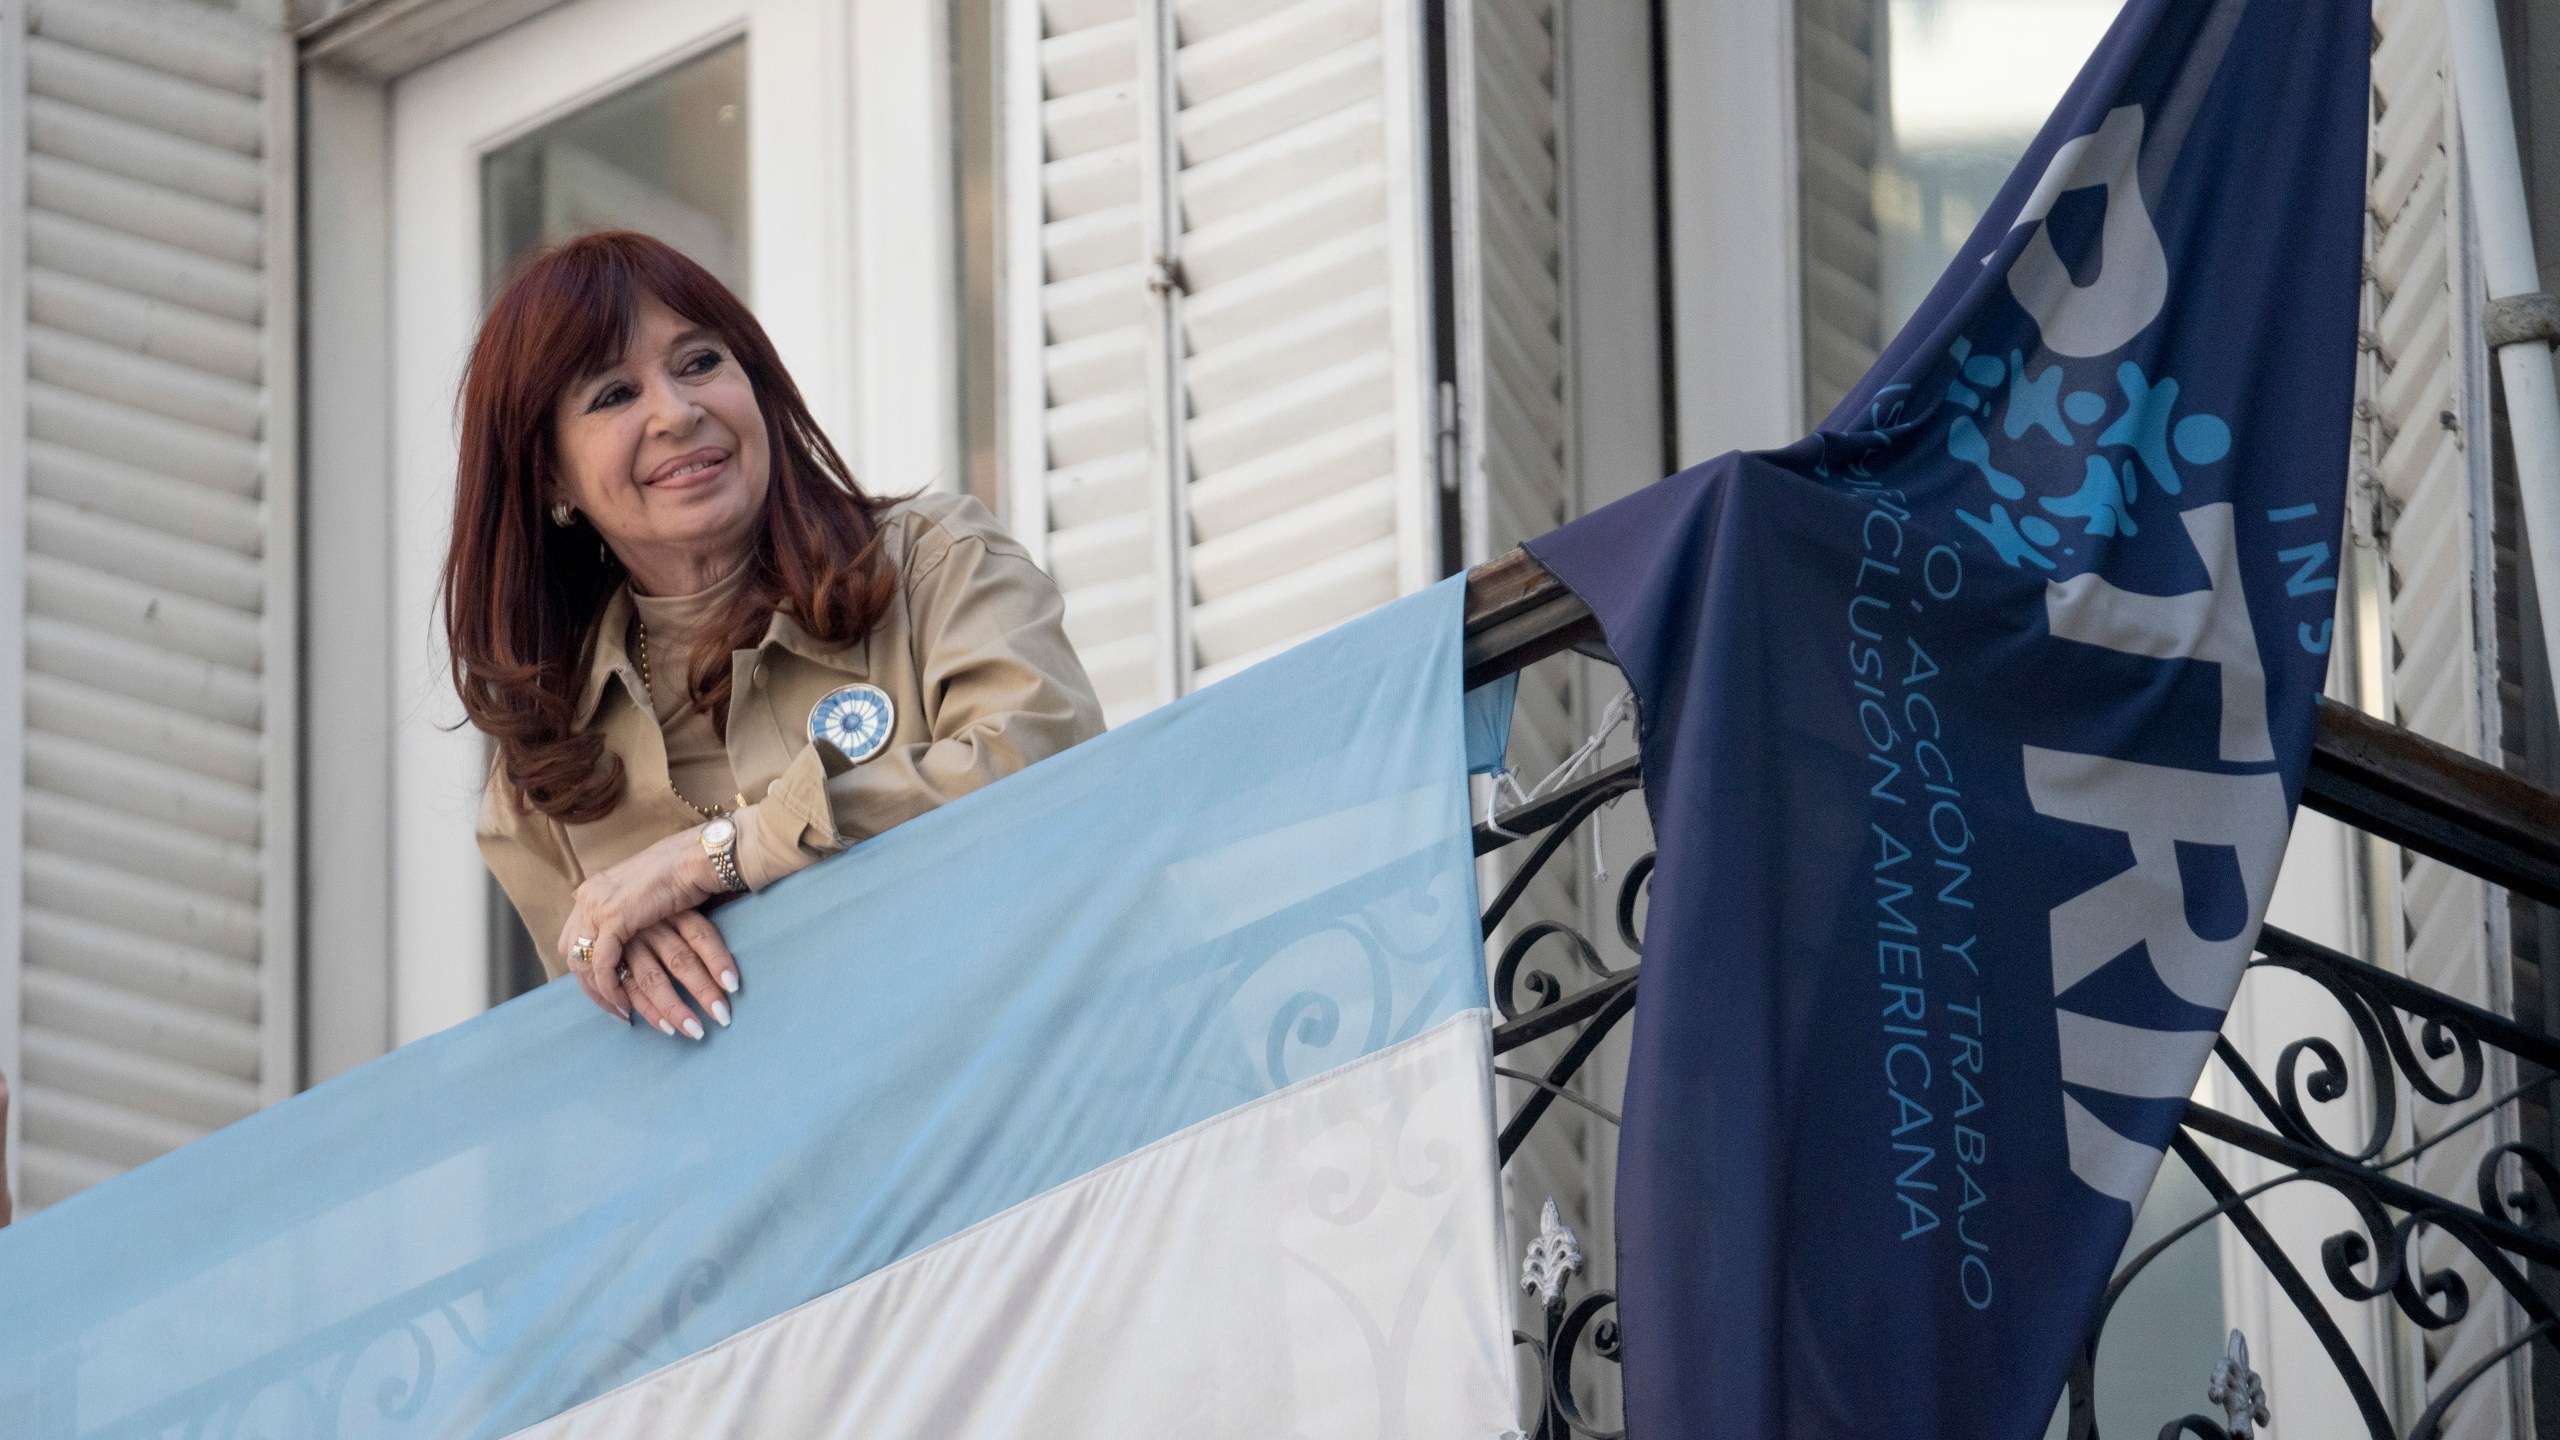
(586, 951)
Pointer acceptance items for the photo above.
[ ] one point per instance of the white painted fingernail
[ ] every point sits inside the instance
(729, 982)
(693, 1027)
(666, 1029)
(720, 1012)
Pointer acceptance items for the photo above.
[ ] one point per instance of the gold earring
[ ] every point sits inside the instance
(561, 514)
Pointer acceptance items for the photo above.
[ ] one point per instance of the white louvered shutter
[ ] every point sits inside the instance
(1084, 482)
(1220, 437)
(156, 940)
(2422, 488)
(1304, 378)
(1840, 126)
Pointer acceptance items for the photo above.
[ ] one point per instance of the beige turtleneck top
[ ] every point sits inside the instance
(697, 759)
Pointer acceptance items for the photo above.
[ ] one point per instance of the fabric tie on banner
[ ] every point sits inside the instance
(1144, 1093)
(1972, 728)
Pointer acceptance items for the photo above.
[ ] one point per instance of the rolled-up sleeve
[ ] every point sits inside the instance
(1001, 685)
(527, 853)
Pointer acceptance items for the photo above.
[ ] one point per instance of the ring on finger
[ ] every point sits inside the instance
(584, 948)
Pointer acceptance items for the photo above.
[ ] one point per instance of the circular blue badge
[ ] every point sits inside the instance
(855, 719)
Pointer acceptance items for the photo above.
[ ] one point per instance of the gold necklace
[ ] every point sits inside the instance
(707, 812)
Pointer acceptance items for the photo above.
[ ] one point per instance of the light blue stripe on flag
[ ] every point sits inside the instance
(1236, 892)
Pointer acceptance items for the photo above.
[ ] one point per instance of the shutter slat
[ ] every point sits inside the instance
(1303, 534)
(146, 557)
(105, 837)
(143, 672)
(1094, 366)
(193, 47)
(1302, 155)
(148, 615)
(102, 1130)
(1306, 600)
(1094, 241)
(179, 1094)
(139, 382)
(152, 212)
(153, 1028)
(1269, 106)
(154, 328)
(1292, 37)
(144, 95)
(144, 789)
(1106, 550)
(1075, 124)
(1088, 59)
(1318, 466)
(1273, 420)
(164, 970)
(52, 1176)
(1272, 294)
(1091, 304)
(73, 132)
(1323, 337)
(1087, 493)
(145, 441)
(145, 267)
(146, 732)
(207, 518)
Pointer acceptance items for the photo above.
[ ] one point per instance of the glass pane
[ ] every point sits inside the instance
(666, 156)
(1910, 114)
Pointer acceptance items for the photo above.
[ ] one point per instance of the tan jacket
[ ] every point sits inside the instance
(972, 650)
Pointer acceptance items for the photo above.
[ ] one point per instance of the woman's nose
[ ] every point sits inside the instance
(672, 412)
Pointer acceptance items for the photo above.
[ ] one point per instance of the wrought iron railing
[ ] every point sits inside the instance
(2412, 1045)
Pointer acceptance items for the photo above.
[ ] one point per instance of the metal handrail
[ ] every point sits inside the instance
(2375, 776)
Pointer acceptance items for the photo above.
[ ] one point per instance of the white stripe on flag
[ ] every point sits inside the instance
(1323, 1261)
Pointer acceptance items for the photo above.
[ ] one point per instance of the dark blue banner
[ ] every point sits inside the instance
(1972, 727)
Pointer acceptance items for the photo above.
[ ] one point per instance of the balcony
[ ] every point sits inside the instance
(2329, 1115)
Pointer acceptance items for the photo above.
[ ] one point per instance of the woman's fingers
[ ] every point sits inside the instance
(654, 989)
(601, 984)
(704, 936)
(685, 962)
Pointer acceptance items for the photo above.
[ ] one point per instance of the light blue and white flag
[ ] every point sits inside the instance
(1145, 1093)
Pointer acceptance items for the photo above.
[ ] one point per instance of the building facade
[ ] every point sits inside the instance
(1245, 315)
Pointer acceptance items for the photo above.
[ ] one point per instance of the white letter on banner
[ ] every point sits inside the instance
(2155, 807)
(2133, 278)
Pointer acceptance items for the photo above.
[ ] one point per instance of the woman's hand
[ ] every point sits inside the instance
(677, 957)
(616, 906)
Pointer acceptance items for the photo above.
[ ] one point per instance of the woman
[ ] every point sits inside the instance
(706, 658)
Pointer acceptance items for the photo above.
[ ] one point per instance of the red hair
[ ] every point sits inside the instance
(523, 597)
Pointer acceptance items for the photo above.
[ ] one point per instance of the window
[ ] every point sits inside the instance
(1910, 114)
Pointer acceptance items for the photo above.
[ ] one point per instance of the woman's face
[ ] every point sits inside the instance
(665, 453)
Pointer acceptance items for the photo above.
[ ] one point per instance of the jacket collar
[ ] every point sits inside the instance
(613, 659)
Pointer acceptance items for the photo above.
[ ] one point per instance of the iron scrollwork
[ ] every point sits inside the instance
(2401, 1044)
(1550, 979)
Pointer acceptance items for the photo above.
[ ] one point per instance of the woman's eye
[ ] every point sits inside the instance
(702, 362)
(610, 396)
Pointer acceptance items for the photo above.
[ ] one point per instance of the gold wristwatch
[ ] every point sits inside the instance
(720, 842)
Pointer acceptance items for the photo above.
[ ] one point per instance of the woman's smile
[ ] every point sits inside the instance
(691, 470)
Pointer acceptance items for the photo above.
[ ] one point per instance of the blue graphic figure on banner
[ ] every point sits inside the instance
(1973, 727)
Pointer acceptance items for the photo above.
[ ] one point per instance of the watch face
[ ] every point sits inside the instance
(855, 719)
(719, 832)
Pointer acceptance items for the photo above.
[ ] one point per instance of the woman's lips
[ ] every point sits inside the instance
(697, 467)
